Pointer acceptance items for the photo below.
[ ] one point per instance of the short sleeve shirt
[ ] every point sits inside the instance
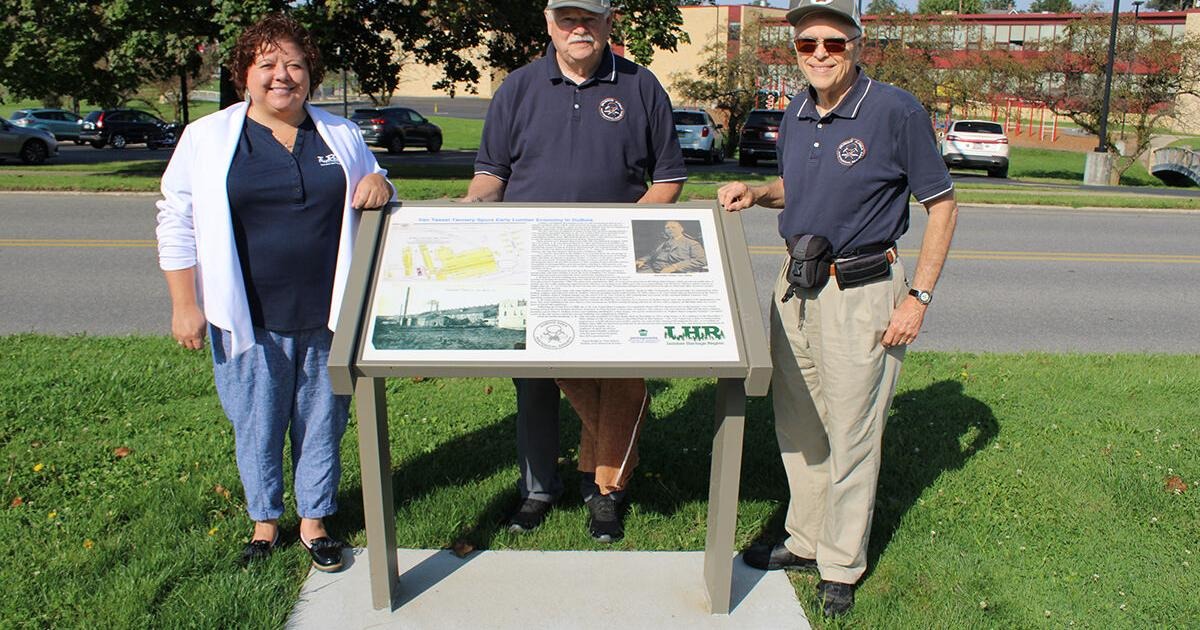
(600, 141)
(848, 175)
(287, 212)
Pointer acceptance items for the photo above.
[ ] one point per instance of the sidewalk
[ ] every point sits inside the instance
(525, 590)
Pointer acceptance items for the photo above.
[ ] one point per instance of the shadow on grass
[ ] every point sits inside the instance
(461, 461)
(1049, 174)
(931, 432)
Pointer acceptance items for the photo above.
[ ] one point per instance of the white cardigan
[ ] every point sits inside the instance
(194, 224)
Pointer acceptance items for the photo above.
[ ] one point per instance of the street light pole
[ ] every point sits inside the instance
(1108, 72)
(1097, 169)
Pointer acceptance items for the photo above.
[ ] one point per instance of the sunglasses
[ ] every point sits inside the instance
(833, 46)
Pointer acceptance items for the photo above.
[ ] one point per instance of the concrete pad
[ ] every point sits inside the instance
(524, 590)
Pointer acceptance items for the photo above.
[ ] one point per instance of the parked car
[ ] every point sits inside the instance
(759, 135)
(395, 128)
(29, 144)
(122, 127)
(976, 144)
(699, 136)
(63, 124)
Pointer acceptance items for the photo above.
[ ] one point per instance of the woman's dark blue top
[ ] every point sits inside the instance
(287, 220)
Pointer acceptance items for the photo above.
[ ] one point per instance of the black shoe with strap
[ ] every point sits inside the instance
(256, 550)
(326, 553)
(836, 598)
(605, 524)
(529, 516)
(773, 558)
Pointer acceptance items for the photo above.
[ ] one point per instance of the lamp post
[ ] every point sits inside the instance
(1098, 168)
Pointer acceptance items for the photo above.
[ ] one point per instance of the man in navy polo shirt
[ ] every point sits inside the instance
(579, 125)
(851, 152)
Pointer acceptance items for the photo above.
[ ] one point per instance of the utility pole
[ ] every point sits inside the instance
(1098, 168)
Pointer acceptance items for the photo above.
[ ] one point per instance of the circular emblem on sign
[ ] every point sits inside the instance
(612, 110)
(553, 334)
(851, 151)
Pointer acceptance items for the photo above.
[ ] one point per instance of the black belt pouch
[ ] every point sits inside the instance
(852, 272)
(809, 267)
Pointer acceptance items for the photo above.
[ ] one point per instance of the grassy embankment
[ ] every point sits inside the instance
(1017, 491)
(1033, 166)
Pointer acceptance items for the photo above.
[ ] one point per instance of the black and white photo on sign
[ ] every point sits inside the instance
(668, 246)
(426, 317)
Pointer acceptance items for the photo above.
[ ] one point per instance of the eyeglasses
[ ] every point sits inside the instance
(833, 46)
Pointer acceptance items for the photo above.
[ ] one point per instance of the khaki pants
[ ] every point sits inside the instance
(611, 411)
(833, 383)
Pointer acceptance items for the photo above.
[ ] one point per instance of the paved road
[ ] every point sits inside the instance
(1018, 279)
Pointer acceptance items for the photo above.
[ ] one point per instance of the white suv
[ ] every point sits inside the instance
(977, 144)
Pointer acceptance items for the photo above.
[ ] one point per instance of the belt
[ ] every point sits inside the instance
(892, 253)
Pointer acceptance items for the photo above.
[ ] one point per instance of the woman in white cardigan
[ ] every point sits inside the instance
(255, 232)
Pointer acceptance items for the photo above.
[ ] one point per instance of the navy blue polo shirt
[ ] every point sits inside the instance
(552, 140)
(848, 175)
(287, 220)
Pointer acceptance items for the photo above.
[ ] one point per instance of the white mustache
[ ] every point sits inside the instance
(582, 39)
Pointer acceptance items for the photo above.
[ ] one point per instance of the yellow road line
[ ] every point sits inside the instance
(976, 254)
(73, 242)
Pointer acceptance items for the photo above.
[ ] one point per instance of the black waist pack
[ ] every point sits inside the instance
(852, 272)
(809, 266)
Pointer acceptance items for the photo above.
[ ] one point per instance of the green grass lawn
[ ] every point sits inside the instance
(1191, 143)
(1051, 165)
(421, 182)
(1017, 491)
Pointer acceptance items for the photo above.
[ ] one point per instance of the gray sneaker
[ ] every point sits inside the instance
(605, 523)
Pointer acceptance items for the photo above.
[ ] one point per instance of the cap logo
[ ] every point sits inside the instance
(821, 1)
(612, 110)
(851, 151)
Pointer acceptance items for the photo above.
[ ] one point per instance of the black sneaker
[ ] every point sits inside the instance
(605, 523)
(528, 516)
(836, 598)
(768, 558)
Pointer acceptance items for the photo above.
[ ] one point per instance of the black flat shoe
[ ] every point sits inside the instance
(326, 553)
(258, 549)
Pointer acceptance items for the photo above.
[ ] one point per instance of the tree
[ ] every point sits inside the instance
(903, 50)
(957, 6)
(1163, 69)
(731, 81)
(883, 7)
(1051, 6)
(997, 5)
(102, 50)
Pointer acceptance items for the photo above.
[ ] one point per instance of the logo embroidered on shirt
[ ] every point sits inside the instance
(328, 160)
(851, 151)
(612, 110)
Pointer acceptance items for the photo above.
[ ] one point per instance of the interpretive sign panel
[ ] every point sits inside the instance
(521, 284)
(550, 291)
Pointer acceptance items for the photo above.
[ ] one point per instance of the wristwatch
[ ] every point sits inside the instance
(924, 297)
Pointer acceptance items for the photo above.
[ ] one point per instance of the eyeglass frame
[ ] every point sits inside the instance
(838, 42)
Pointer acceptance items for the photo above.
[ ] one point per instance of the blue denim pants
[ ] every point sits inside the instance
(281, 387)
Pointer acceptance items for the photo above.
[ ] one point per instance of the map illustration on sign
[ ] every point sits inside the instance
(446, 254)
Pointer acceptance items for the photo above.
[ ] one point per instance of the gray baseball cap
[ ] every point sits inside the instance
(595, 6)
(847, 9)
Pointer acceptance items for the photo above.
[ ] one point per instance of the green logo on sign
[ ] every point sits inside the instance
(693, 333)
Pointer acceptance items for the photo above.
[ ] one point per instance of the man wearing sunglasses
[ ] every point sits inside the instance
(851, 152)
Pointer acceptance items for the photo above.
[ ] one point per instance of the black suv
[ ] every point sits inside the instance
(397, 127)
(758, 136)
(121, 127)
